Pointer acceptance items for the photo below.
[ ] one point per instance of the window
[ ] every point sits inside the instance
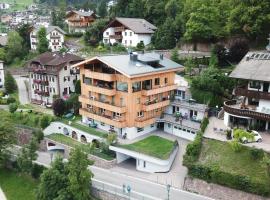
(53, 90)
(31, 75)
(175, 127)
(166, 80)
(192, 132)
(130, 33)
(169, 125)
(125, 33)
(138, 100)
(130, 42)
(112, 127)
(136, 86)
(122, 103)
(68, 78)
(140, 114)
(125, 41)
(33, 86)
(122, 86)
(156, 81)
(139, 130)
(184, 129)
(144, 164)
(157, 110)
(52, 79)
(255, 85)
(65, 68)
(107, 33)
(152, 125)
(102, 123)
(188, 131)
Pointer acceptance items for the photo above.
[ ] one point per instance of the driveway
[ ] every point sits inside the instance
(22, 89)
(174, 177)
(221, 135)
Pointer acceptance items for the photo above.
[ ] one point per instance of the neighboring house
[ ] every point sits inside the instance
(51, 74)
(4, 6)
(3, 40)
(251, 106)
(128, 31)
(79, 21)
(2, 74)
(126, 93)
(55, 37)
(183, 116)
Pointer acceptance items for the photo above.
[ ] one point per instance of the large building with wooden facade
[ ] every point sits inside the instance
(79, 21)
(126, 93)
(251, 105)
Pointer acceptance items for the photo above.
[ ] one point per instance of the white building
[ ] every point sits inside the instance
(55, 37)
(51, 74)
(2, 74)
(4, 6)
(183, 116)
(250, 107)
(128, 32)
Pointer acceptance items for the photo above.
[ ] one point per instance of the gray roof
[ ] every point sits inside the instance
(254, 66)
(83, 13)
(124, 65)
(137, 25)
(49, 29)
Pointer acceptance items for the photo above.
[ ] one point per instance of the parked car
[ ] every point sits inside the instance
(257, 137)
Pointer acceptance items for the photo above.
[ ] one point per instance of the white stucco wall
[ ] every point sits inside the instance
(264, 105)
(226, 119)
(2, 75)
(132, 132)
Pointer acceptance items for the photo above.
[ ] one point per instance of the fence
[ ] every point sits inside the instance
(118, 191)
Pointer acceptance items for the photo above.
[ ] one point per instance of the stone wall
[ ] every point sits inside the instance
(106, 196)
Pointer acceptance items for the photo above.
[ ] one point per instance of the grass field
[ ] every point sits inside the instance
(221, 154)
(16, 186)
(153, 146)
(75, 144)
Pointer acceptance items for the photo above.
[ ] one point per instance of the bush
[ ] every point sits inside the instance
(215, 175)
(44, 121)
(256, 154)
(11, 100)
(193, 149)
(236, 146)
(10, 83)
(13, 107)
(36, 171)
(204, 124)
(39, 135)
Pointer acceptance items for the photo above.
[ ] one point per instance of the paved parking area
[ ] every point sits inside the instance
(174, 177)
(221, 135)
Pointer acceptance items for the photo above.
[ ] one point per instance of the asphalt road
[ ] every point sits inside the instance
(23, 94)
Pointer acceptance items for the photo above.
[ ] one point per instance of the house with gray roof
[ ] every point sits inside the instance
(128, 31)
(55, 37)
(250, 107)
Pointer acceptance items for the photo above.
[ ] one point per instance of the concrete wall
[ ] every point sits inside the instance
(120, 157)
(133, 133)
(189, 134)
(58, 127)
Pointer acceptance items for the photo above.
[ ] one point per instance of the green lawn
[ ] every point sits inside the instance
(153, 146)
(85, 128)
(19, 4)
(74, 143)
(221, 154)
(17, 186)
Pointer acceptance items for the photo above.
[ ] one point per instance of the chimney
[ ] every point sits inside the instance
(133, 56)
(161, 56)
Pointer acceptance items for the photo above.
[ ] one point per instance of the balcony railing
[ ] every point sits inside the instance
(152, 106)
(101, 90)
(100, 76)
(240, 91)
(113, 121)
(231, 108)
(39, 70)
(102, 104)
(55, 43)
(42, 93)
(144, 121)
(119, 29)
(55, 36)
(159, 90)
(117, 37)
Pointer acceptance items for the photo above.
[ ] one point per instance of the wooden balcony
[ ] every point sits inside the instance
(241, 91)
(233, 108)
(119, 29)
(100, 90)
(154, 106)
(159, 90)
(143, 121)
(100, 76)
(103, 105)
(116, 122)
(117, 37)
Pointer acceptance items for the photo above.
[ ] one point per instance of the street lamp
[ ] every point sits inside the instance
(168, 190)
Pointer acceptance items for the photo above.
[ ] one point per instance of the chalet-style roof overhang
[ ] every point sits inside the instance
(144, 64)
(254, 66)
(82, 13)
(137, 25)
(50, 29)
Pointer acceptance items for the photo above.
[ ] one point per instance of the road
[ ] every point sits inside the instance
(138, 185)
(23, 93)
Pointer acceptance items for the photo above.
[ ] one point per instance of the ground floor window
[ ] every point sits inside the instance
(144, 164)
(152, 125)
(169, 125)
(140, 129)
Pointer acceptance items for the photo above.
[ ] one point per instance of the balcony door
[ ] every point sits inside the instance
(265, 87)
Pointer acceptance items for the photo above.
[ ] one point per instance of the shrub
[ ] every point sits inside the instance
(39, 135)
(44, 121)
(10, 83)
(36, 170)
(13, 107)
(193, 149)
(256, 153)
(204, 124)
(59, 107)
(11, 100)
(236, 146)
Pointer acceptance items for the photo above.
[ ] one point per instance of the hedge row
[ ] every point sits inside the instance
(236, 181)
(204, 124)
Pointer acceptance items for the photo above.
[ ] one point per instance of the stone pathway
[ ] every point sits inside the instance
(2, 195)
(218, 192)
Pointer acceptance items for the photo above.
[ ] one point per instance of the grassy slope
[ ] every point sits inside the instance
(220, 154)
(153, 146)
(17, 187)
(20, 4)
